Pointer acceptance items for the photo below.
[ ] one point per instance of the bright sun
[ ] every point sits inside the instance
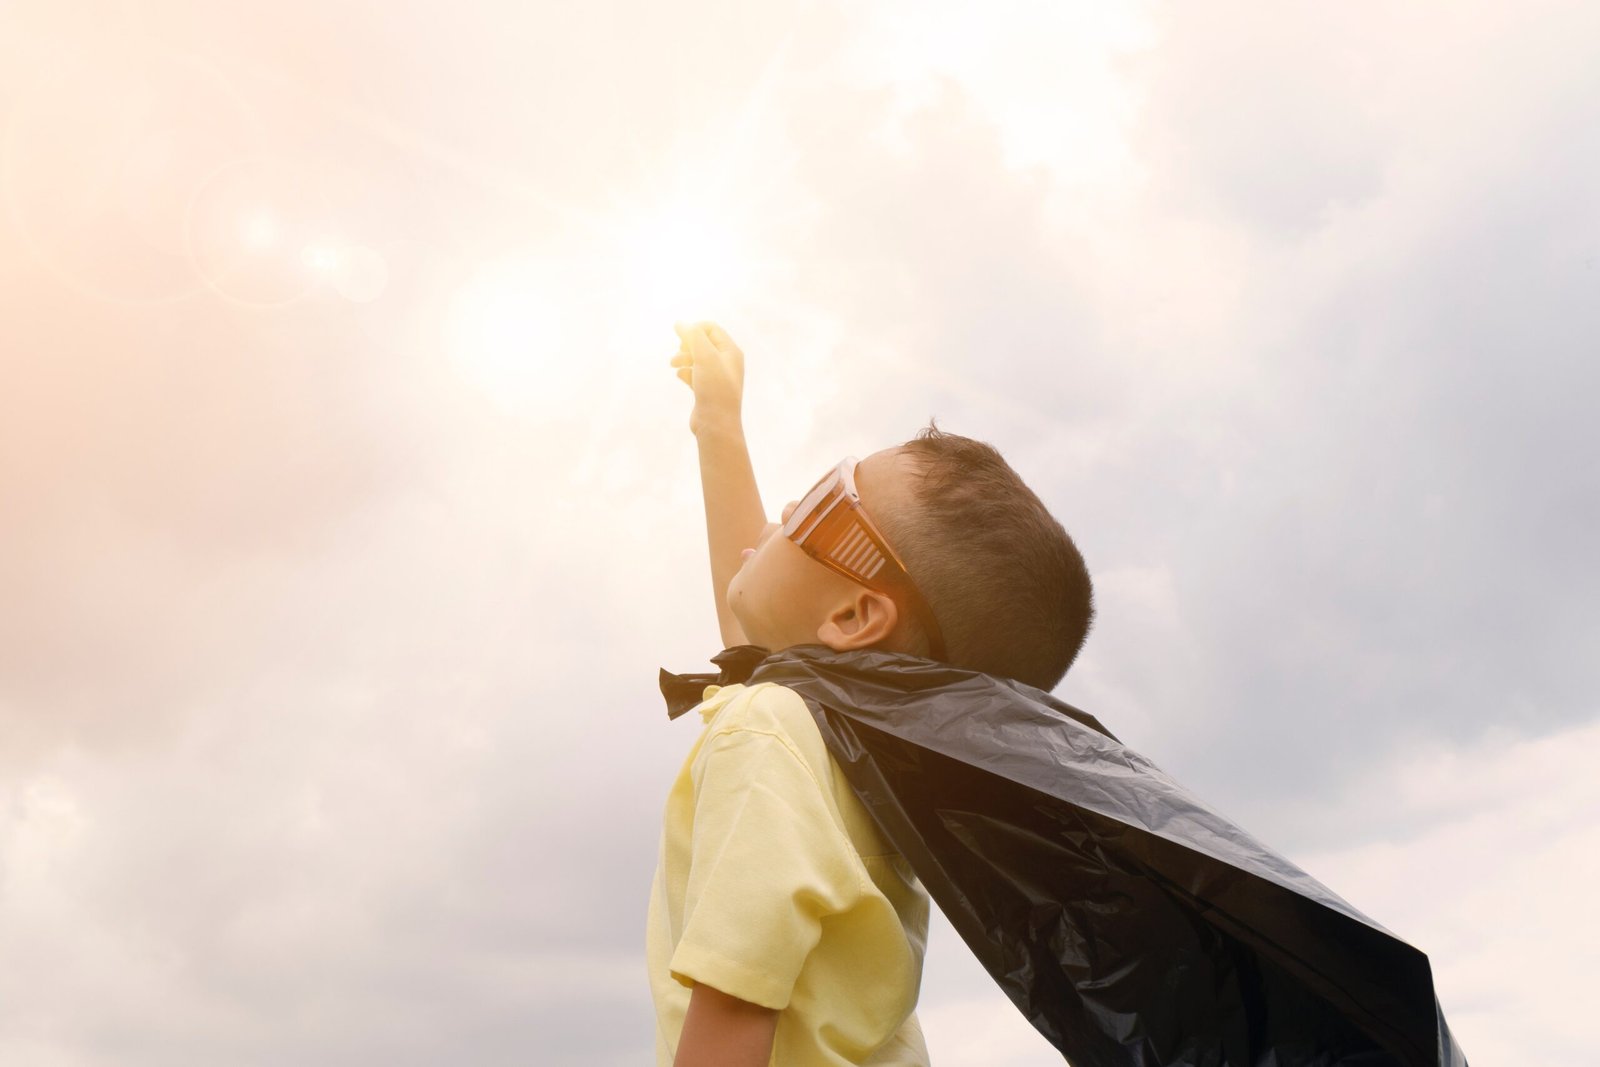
(682, 265)
(529, 328)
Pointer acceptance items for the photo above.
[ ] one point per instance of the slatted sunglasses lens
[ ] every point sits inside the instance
(802, 514)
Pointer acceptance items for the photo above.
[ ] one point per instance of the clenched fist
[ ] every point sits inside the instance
(710, 364)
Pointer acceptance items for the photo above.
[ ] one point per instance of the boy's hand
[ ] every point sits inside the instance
(711, 364)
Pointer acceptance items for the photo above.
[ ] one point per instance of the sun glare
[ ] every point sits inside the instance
(682, 265)
(560, 318)
(321, 258)
(665, 263)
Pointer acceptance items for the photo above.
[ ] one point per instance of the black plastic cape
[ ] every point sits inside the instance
(1130, 923)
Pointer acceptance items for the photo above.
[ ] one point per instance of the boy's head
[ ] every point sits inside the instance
(1007, 586)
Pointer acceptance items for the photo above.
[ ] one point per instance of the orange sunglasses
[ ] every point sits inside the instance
(830, 525)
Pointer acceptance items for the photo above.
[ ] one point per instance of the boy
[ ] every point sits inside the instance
(782, 928)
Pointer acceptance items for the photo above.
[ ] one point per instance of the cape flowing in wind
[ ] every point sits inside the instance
(1131, 924)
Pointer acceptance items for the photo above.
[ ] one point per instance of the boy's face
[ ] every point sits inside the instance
(781, 596)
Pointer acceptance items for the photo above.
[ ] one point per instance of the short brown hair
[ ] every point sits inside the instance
(1008, 586)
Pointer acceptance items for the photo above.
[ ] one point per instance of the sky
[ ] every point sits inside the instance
(349, 506)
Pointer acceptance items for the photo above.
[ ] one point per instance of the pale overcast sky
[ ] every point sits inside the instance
(348, 503)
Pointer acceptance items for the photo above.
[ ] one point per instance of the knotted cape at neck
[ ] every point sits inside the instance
(1130, 924)
(684, 691)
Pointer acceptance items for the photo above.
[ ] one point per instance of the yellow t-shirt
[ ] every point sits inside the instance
(774, 886)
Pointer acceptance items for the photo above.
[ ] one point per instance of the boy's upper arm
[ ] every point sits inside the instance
(724, 1031)
(768, 862)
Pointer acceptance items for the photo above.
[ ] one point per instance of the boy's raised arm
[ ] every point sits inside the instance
(712, 365)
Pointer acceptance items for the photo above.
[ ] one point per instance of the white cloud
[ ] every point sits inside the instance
(1496, 885)
(1055, 94)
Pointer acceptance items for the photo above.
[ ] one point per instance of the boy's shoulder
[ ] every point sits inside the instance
(780, 715)
(775, 712)
(765, 707)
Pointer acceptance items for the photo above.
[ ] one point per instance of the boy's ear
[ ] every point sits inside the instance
(867, 619)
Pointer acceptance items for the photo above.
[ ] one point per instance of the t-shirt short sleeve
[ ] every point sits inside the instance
(768, 863)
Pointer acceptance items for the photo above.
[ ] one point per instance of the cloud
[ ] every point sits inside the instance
(1491, 875)
(1378, 549)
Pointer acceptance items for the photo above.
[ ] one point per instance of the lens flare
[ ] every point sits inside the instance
(258, 232)
(322, 259)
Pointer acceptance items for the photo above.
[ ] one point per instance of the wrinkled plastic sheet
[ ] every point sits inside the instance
(1126, 920)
